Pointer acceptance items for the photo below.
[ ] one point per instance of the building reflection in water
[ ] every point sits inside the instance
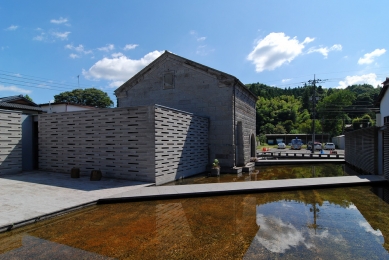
(341, 223)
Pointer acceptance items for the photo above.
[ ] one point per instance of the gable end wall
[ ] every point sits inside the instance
(195, 91)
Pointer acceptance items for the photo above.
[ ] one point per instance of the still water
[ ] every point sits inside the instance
(339, 223)
(272, 172)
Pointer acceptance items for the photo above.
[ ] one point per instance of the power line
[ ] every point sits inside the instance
(17, 79)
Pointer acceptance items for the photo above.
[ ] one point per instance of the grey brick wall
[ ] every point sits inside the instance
(385, 156)
(119, 142)
(10, 142)
(181, 144)
(155, 144)
(203, 92)
(245, 112)
(361, 149)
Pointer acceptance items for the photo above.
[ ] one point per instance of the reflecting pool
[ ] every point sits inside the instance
(339, 223)
(272, 172)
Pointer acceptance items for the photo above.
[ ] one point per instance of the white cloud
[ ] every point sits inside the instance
(352, 80)
(325, 50)
(14, 89)
(285, 80)
(12, 28)
(117, 54)
(278, 236)
(204, 50)
(275, 50)
(369, 57)
(366, 226)
(200, 39)
(109, 47)
(116, 84)
(119, 68)
(74, 56)
(59, 21)
(40, 37)
(61, 35)
(130, 47)
(80, 48)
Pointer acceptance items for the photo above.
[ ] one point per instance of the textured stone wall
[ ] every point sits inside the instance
(385, 156)
(181, 144)
(10, 142)
(361, 149)
(119, 142)
(245, 112)
(155, 144)
(201, 92)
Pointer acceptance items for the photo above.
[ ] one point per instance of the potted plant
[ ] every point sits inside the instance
(215, 171)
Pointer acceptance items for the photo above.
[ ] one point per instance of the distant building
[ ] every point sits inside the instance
(179, 83)
(20, 103)
(382, 122)
(19, 134)
(64, 107)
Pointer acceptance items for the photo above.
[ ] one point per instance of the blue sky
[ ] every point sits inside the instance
(46, 45)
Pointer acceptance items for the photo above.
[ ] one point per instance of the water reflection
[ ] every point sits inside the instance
(274, 172)
(342, 223)
(339, 232)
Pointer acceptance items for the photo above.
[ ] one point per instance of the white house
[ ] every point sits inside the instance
(382, 122)
(63, 107)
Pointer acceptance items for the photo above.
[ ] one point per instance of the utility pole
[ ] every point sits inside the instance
(314, 100)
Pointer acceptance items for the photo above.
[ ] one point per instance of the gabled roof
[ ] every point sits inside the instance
(219, 74)
(383, 91)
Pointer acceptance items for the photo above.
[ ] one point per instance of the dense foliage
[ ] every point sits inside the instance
(87, 97)
(291, 110)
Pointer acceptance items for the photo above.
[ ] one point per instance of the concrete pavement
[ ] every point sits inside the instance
(30, 196)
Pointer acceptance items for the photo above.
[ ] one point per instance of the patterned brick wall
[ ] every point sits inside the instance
(10, 142)
(119, 142)
(361, 149)
(155, 143)
(181, 144)
(386, 151)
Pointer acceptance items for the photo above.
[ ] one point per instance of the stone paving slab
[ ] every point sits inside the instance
(175, 191)
(29, 196)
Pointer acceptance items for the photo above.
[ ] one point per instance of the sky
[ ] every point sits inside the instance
(48, 47)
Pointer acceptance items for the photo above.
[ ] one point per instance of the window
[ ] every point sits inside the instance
(168, 80)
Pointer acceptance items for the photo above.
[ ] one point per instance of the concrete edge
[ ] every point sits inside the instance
(45, 216)
(233, 192)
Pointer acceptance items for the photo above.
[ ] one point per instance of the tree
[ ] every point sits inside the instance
(331, 110)
(363, 122)
(28, 97)
(88, 97)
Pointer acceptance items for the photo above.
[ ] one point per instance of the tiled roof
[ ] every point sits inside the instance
(18, 106)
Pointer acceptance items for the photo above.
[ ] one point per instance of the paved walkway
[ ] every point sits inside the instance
(177, 191)
(29, 196)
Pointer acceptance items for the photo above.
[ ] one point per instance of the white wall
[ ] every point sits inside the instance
(384, 108)
(59, 108)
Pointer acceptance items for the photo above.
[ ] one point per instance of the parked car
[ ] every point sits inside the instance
(318, 146)
(281, 146)
(329, 146)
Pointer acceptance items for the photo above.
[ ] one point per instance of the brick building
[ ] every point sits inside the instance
(179, 83)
